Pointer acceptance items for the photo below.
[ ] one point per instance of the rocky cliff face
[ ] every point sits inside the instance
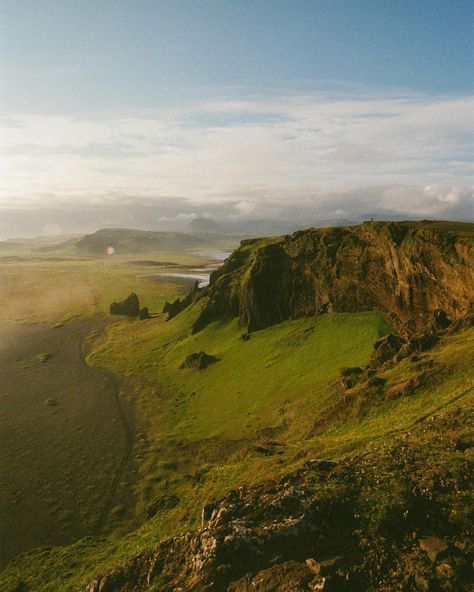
(407, 269)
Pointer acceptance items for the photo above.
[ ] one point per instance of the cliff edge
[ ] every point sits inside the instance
(409, 270)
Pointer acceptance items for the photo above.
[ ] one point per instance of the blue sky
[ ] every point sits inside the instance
(239, 102)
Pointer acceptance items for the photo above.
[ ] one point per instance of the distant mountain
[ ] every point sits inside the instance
(126, 241)
(205, 226)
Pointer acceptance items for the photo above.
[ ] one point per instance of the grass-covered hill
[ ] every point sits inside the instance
(313, 454)
(126, 241)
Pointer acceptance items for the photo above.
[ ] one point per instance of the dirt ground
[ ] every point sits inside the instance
(65, 440)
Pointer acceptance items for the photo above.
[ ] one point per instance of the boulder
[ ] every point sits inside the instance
(198, 361)
(130, 307)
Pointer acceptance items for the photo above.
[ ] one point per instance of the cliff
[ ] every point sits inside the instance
(409, 270)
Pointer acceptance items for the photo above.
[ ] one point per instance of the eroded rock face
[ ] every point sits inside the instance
(416, 271)
(130, 307)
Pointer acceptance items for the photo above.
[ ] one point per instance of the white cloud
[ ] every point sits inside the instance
(245, 207)
(408, 153)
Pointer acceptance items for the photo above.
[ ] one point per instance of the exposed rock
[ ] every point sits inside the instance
(434, 547)
(411, 270)
(441, 319)
(406, 387)
(350, 377)
(164, 502)
(173, 308)
(376, 381)
(385, 349)
(130, 307)
(327, 567)
(198, 361)
(290, 576)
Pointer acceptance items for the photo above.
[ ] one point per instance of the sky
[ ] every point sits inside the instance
(147, 114)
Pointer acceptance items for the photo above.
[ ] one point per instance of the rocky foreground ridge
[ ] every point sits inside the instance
(406, 269)
(396, 518)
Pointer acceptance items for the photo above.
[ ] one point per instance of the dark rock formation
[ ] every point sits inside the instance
(411, 270)
(130, 307)
(385, 349)
(171, 309)
(164, 502)
(198, 361)
(143, 314)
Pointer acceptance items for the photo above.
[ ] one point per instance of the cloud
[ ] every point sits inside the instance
(245, 207)
(256, 156)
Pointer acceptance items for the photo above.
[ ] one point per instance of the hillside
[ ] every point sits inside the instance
(205, 226)
(129, 241)
(329, 448)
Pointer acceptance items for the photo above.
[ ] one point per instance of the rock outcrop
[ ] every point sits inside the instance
(417, 272)
(130, 307)
(171, 309)
(198, 361)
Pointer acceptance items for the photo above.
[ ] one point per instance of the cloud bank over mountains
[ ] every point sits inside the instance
(298, 157)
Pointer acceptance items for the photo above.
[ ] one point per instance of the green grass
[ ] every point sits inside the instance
(292, 362)
(200, 431)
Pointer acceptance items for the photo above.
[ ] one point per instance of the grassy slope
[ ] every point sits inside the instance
(200, 431)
